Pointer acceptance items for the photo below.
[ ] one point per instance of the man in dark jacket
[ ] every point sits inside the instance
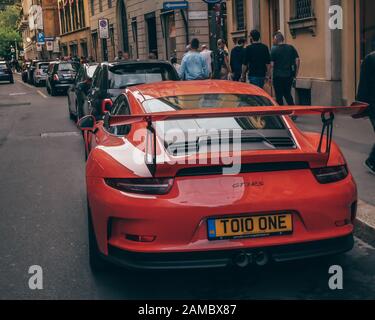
(236, 57)
(366, 93)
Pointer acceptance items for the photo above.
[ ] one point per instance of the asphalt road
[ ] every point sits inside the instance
(43, 221)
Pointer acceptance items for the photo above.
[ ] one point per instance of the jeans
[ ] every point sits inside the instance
(257, 81)
(283, 89)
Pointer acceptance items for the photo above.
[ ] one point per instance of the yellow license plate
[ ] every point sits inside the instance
(250, 226)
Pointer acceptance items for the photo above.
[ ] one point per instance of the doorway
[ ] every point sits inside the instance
(151, 33)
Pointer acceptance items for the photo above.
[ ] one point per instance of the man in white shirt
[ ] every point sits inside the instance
(207, 55)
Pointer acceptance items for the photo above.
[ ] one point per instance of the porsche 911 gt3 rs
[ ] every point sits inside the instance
(213, 173)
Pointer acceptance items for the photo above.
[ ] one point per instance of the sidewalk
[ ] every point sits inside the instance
(365, 224)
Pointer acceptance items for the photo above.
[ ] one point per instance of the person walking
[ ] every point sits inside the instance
(207, 55)
(256, 62)
(193, 65)
(285, 64)
(222, 67)
(236, 58)
(366, 93)
(119, 56)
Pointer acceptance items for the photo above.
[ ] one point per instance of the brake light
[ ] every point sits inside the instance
(330, 174)
(55, 77)
(38, 73)
(157, 186)
(106, 105)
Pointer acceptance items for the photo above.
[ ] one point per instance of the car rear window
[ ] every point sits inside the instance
(207, 101)
(44, 66)
(67, 67)
(122, 76)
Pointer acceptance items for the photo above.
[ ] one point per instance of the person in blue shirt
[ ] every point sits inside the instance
(193, 65)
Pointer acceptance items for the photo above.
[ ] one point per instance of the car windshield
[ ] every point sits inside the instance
(91, 70)
(67, 67)
(122, 76)
(44, 66)
(207, 101)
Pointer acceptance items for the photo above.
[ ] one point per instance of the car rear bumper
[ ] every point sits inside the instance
(62, 86)
(225, 258)
(6, 77)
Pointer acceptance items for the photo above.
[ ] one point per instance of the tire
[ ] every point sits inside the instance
(53, 92)
(97, 263)
(11, 81)
(48, 90)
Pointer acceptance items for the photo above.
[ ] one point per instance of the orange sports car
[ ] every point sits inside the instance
(211, 174)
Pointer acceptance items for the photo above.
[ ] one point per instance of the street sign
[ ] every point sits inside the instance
(175, 5)
(198, 15)
(40, 38)
(103, 28)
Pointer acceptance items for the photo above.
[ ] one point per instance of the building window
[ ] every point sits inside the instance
(109, 3)
(100, 5)
(302, 17)
(135, 35)
(92, 7)
(303, 9)
(112, 37)
(239, 9)
(94, 40)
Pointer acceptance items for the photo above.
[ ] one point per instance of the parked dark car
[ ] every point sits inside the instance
(30, 71)
(110, 79)
(77, 93)
(6, 73)
(40, 73)
(60, 76)
(25, 69)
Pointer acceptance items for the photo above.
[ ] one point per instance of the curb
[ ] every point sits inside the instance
(365, 223)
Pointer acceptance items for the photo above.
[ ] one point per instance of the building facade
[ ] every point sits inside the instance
(74, 22)
(38, 16)
(330, 48)
(148, 26)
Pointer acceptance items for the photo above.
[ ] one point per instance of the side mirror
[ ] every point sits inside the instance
(86, 123)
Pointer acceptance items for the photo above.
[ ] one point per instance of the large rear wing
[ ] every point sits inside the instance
(356, 110)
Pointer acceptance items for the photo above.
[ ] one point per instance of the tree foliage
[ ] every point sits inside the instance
(9, 33)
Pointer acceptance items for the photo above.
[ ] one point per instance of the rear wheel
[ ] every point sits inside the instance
(53, 91)
(11, 80)
(97, 263)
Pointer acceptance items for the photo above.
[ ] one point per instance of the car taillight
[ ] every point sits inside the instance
(55, 77)
(330, 174)
(106, 105)
(157, 186)
(38, 73)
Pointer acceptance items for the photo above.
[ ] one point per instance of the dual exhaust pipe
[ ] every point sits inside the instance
(244, 259)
